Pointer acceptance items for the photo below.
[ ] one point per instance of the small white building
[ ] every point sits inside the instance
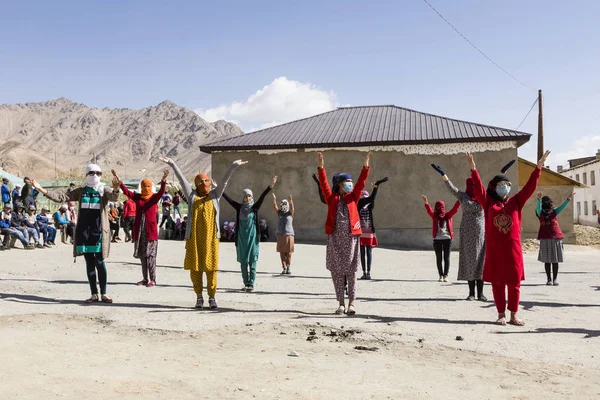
(587, 198)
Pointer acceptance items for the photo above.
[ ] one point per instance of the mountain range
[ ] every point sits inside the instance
(59, 137)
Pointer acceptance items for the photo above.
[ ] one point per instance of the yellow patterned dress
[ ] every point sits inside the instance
(202, 247)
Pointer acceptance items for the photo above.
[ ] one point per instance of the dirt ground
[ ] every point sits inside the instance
(413, 338)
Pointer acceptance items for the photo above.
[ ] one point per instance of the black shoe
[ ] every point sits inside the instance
(363, 277)
(287, 271)
(482, 298)
(368, 276)
(250, 288)
(471, 297)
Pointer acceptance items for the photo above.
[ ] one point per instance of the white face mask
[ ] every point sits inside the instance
(92, 180)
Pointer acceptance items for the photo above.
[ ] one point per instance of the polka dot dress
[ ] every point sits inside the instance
(202, 247)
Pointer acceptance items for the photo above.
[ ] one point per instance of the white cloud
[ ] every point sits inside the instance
(281, 101)
(585, 146)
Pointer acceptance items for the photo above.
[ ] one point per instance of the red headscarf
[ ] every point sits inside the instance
(469, 190)
(440, 209)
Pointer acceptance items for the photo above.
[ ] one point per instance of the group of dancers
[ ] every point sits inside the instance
(490, 245)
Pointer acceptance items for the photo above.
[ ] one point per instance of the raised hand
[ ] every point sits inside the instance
(290, 198)
(116, 182)
(165, 175)
(542, 160)
(438, 169)
(36, 185)
(367, 159)
(471, 160)
(213, 183)
(571, 196)
(540, 195)
(166, 160)
(424, 199)
(320, 159)
(239, 162)
(274, 197)
(273, 182)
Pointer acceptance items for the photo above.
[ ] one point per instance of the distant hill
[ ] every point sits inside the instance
(123, 139)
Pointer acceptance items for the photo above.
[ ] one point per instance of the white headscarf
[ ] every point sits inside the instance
(93, 182)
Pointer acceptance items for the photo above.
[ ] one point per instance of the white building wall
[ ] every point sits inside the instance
(587, 199)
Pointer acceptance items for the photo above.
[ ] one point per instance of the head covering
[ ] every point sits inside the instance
(18, 204)
(246, 207)
(364, 194)
(26, 179)
(469, 189)
(93, 182)
(440, 209)
(32, 208)
(339, 178)
(64, 207)
(7, 205)
(146, 187)
(5, 180)
(45, 208)
(547, 207)
(284, 206)
(491, 189)
(202, 188)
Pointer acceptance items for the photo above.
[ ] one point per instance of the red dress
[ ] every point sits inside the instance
(503, 252)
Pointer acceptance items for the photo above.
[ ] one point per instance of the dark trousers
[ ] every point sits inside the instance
(128, 226)
(96, 268)
(442, 250)
(366, 256)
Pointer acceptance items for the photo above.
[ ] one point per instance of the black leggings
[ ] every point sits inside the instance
(366, 251)
(554, 271)
(479, 288)
(94, 262)
(442, 246)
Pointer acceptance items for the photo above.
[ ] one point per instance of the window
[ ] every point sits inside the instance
(593, 178)
(577, 177)
(585, 178)
(578, 208)
(594, 207)
(585, 209)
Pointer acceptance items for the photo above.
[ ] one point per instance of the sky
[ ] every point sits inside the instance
(260, 63)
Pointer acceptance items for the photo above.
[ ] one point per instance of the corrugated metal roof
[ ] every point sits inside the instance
(367, 126)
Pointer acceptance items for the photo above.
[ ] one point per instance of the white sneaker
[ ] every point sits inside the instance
(199, 303)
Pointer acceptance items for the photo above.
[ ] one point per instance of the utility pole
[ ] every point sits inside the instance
(540, 151)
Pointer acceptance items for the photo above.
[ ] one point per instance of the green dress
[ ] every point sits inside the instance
(247, 240)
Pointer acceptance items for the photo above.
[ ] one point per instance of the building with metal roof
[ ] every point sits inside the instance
(404, 143)
(367, 126)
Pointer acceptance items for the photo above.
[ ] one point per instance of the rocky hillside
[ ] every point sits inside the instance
(125, 139)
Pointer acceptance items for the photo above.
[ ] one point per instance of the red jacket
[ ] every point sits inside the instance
(129, 209)
(147, 207)
(436, 220)
(503, 250)
(333, 199)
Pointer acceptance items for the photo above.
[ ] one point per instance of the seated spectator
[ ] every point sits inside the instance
(9, 231)
(32, 226)
(231, 237)
(46, 227)
(264, 230)
(71, 187)
(17, 221)
(183, 226)
(62, 223)
(225, 232)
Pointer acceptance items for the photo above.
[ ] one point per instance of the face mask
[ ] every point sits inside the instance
(92, 180)
(284, 207)
(348, 186)
(503, 191)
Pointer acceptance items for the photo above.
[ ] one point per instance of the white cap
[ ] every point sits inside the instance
(92, 167)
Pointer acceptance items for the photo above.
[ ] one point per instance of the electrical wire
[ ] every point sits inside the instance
(477, 48)
(528, 112)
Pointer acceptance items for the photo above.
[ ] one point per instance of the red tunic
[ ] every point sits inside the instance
(333, 199)
(147, 207)
(503, 251)
(550, 229)
(129, 209)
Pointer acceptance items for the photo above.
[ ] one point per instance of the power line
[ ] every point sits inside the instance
(477, 48)
(529, 112)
